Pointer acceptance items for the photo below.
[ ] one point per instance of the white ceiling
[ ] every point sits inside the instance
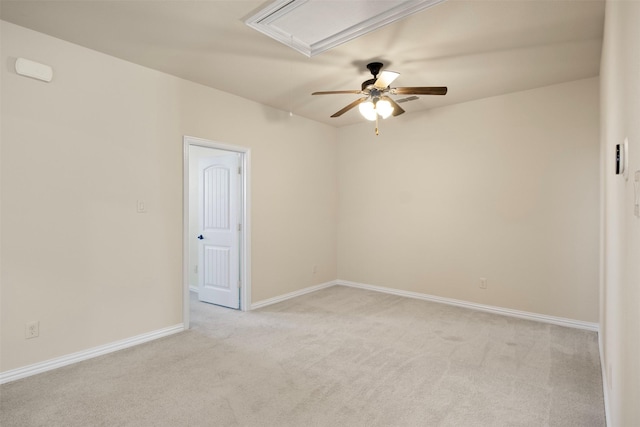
(477, 48)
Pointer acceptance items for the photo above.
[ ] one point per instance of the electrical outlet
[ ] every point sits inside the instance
(483, 283)
(32, 330)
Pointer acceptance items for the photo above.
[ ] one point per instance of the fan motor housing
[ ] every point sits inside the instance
(367, 83)
(375, 68)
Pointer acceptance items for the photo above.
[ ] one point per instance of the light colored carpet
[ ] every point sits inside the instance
(337, 357)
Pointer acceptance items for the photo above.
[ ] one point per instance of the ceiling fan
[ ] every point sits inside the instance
(376, 102)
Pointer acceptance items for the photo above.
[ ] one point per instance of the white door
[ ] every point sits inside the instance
(219, 224)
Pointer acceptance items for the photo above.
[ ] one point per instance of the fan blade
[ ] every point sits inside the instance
(385, 79)
(332, 92)
(349, 107)
(419, 90)
(397, 110)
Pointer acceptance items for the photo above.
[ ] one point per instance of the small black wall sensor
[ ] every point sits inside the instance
(622, 159)
(619, 166)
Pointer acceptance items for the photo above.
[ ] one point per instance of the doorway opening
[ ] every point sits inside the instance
(216, 229)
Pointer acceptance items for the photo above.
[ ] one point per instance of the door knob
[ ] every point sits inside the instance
(200, 237)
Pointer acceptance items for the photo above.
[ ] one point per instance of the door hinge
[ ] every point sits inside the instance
(239, 227)
(239, 170)
(239, 285)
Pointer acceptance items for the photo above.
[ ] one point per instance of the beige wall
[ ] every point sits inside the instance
(76, 155)
(504, 188)
(620, 277)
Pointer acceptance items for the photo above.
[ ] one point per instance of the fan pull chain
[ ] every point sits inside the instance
(377, 125)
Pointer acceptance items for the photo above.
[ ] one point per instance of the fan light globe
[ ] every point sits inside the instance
(367, 110)
(384, 108)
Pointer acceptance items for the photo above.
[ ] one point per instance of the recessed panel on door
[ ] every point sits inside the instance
(216, 198)
(216, 267)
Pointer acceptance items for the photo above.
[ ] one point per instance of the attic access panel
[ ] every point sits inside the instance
(314, 26)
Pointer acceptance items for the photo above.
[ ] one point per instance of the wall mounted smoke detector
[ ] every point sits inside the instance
(33, 69)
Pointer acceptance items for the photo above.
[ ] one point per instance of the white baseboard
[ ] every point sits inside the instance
(58, 362)
(69, 359)
(561, 321)
(280, 298)
(193, 289)
(605, 383)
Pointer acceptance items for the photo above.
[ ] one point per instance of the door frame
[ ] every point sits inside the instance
(245, 232)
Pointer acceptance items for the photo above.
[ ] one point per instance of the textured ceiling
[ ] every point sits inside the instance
(477, 48)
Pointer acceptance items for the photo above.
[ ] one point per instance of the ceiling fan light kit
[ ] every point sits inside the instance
(370, 109)
(377, 102)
